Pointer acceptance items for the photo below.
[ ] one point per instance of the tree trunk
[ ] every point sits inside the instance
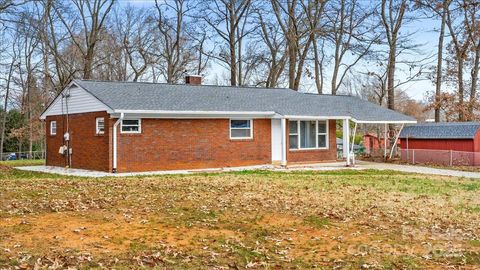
(233, 53)
(318, 68)
(292, 48)
(461, 114)
(5, 106)
(438, 83)
(88, 64)
(473, 89)
(391, 76)
(240, 81)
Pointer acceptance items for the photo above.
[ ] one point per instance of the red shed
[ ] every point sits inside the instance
(449, 143)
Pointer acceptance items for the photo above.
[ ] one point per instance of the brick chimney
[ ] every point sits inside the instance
(193, 79)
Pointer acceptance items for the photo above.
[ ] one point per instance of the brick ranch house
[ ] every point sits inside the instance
(134, 126)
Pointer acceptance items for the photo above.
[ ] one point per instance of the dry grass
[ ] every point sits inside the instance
(22, 162)
(256, 219)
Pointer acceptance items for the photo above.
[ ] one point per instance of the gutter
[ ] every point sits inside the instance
(171, 112)
(115, 127)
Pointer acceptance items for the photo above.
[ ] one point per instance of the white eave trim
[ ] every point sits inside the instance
(192, 114)
(309, 117)
(384, 122)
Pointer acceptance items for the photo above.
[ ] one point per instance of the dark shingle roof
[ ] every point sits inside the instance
(171, 97)
(446, 130)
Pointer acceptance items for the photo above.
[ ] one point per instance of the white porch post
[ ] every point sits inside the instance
(346, 141)
(283, 127)
(385, 142)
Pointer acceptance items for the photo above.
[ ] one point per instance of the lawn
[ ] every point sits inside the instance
(253, 219)
(22, 162)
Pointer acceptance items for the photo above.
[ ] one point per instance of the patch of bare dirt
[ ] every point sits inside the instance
(99, 234)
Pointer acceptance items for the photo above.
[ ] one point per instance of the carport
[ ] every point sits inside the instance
(364, 112)
(348, 145)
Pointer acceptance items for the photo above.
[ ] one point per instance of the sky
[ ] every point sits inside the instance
(424, 33)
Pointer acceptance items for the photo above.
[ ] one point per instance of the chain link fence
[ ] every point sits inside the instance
(23, 155)
(440, 157)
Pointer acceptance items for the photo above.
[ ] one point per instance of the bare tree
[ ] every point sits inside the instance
(439, 10)
(351, 32)
(472, 27)
(299, 21)
(53, 41)
(8, 83)
(275, 57)
(199, 38)
(462, 23)
(133, 29)
(228, 20)
(92, 16)
(319, 60)
(176, 52)
(392, 17)
(9, 7)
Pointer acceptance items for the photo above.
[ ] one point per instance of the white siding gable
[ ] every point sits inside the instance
(79, 101)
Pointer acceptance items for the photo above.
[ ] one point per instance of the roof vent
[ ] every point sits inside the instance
(193, 79)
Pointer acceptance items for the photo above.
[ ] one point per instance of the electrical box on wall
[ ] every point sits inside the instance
(62, 150)
(66, 136)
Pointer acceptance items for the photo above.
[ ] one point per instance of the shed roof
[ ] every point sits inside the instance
(176, 97)
(445, 130)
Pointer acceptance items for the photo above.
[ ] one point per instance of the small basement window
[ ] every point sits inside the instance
(131, 126)
(53, 127)
(241, 129)
(100, 125)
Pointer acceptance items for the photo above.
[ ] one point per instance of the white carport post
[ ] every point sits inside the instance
(385, 142)
(353, 143)
(396, 141)
(346, 141)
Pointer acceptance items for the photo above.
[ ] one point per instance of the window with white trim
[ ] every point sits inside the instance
(53, 127)
(100, 125)
(310, 134)
(241, 128)
(131, 126)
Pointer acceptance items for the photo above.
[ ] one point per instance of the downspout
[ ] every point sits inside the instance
(114, 167)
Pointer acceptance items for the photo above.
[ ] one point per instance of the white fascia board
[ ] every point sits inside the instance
(384, 122)
(304, 117)
(191, 114)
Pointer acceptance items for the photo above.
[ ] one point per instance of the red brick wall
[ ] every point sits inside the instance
(466, 145)
(172, 144)
(305, 156)
(89, 151)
